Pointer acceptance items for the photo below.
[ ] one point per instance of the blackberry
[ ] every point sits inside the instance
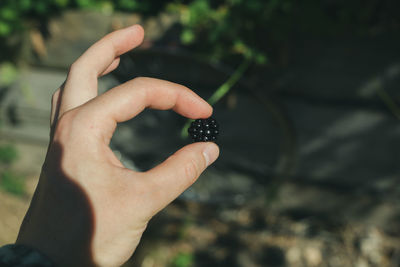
(203, 130)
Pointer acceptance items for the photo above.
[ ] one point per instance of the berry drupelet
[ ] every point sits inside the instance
(203, 130)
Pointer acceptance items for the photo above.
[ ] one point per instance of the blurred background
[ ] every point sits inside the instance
(308, 101)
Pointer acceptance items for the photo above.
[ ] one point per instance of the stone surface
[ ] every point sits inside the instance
(70, 34)
(340, 70)
(25, 109)
(350, 146)
(12, 209)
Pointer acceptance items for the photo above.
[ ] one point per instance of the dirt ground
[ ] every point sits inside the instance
(192, 234)
(12, 210)
(12, 207)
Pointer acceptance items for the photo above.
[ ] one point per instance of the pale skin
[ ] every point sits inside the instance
(88, 209)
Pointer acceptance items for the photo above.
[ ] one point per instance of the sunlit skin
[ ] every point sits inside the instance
(88, 210)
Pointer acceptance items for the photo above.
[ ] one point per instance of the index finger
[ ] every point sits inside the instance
(102, 53)
(101, 57)
(127, 100)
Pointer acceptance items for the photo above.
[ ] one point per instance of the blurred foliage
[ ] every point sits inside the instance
(222, 29)
(8, 154)
(252, 28)
(8, 74)
(16, 14)
(182, 259)
(10, 181)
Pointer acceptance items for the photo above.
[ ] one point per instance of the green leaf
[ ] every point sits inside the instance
(25, 4)
(5, 28)
(183, 260)
(41, 8)
(127, 4)
(8, 73)
(200, 12)
(8, 13)
(260, 59)
(12, 183)
(106, 7)
(8, 154)
(62, 3)
(187, 36)
(85, 3)
(240, 47)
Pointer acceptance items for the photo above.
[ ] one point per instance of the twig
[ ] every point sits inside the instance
(389, 102)
(223, 89)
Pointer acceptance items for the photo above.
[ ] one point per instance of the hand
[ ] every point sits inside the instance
(87, 208)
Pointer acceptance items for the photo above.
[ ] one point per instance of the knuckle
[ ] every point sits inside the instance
(65, 124)
(76, 68)
(55, 95)
(73, 68)
(140, 79)
(183, 87)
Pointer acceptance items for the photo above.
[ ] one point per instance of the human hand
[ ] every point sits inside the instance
(87, 208)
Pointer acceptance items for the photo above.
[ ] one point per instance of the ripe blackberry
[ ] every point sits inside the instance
(203, 130)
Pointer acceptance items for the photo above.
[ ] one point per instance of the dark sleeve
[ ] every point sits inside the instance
(19, 256)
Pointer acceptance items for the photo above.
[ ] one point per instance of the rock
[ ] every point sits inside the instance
(293, 256)
(25, 107)
(70, 34)
(313, 256)
(340, 69)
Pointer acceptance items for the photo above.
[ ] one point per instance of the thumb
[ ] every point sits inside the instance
(169, 179)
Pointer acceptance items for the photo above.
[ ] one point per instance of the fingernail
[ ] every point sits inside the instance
(211, 153)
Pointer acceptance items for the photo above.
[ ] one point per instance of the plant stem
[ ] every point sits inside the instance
(222, 90)
(389, 102)
(232, 80)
